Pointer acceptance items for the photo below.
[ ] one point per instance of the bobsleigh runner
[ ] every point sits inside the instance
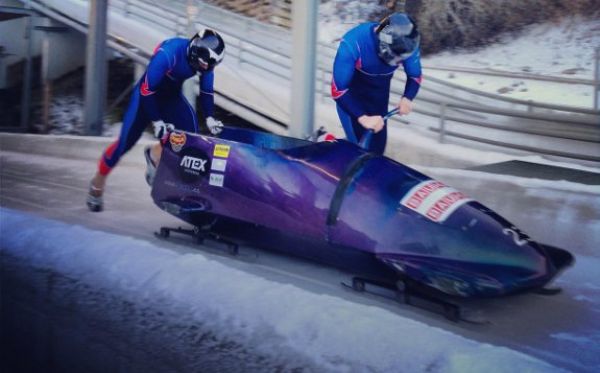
(335, 203)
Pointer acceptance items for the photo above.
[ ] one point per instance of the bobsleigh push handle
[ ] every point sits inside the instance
(365, 141)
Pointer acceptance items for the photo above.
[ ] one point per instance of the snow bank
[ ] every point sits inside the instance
(336, 334)
(564, 50)
(338, 16)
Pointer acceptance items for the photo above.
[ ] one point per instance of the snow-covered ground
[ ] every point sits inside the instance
(564, 49)
(561, 49)
(338, 16)
(281, 322)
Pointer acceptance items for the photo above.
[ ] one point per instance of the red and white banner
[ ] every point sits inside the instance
(434, 200)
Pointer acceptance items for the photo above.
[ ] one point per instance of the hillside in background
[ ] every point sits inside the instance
(444, 24)
(447, 25)
(475, 23)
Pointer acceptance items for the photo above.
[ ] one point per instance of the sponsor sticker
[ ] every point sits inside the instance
(177, 141)
(216, 179)
(221, 150)
(434, 200)
(219, 164)
(193, 165)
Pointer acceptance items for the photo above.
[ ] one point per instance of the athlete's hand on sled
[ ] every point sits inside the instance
(214, 126)
(161, 128)
(405, 106)
(372, 122)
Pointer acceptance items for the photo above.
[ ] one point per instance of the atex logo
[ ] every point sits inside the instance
(193, 163)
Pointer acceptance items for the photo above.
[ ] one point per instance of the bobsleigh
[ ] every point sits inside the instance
(337, 204)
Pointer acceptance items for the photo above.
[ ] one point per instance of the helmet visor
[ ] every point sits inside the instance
(394, 53)
(207, 52)
(205, 60)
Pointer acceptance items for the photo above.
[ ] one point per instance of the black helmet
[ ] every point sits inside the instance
(398, 38)
(206, 51)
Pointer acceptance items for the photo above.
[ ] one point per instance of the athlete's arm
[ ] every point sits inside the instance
(412, 68)
(207, 93)
(343, 71)
(157, 69)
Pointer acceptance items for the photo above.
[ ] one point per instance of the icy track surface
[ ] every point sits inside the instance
(288, 327)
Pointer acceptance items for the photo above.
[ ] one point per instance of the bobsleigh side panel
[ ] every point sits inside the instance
(273, 198)
(288, 190)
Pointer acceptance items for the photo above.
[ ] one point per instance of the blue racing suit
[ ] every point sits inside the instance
(361, 82)
(158, 96)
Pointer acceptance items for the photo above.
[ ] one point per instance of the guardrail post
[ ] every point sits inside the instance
(96, 67)
(443, 121)
(127, 5)
(530, 106)
(26, 93)
(304, 46)
(597, 79)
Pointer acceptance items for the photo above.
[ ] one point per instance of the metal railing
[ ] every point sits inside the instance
(509, 74)
(273, 57)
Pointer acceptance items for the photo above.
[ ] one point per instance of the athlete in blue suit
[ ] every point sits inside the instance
(366, 59)
(158, 99)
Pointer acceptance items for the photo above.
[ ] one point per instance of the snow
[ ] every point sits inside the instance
(562, 49)
(565, 50)
(338, 16)
(272, 317)
(562, 94)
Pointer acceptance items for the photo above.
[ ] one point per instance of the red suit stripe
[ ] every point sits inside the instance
(144, 88)
(335, 92)
(103, 168)
(358, 64)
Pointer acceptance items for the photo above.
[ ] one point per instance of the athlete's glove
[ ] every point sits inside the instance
(214, 126)
(161, 128)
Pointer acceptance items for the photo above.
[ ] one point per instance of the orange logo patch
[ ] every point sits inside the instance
(177, 140)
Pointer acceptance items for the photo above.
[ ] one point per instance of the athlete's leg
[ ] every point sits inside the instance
(378, 141)
(134, 123)
(353, 134)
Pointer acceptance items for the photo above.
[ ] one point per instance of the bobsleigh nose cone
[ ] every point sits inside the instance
(505, 270)
(527, 267)
(557, 259)
(547, 263)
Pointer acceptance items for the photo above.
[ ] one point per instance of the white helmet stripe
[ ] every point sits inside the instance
(217, 57)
